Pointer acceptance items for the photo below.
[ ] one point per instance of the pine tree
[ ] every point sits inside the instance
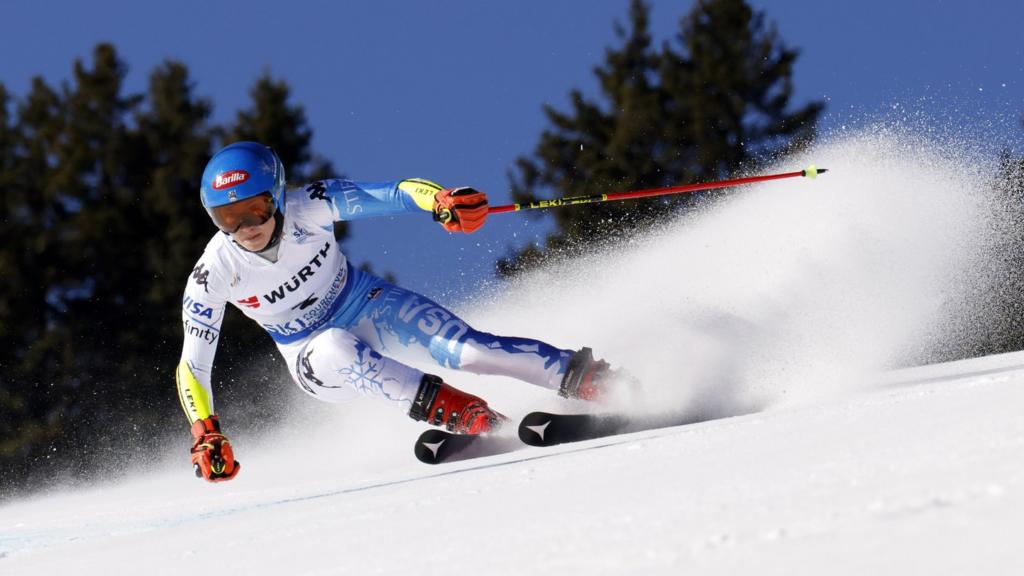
(8, 204)
(735, 75)
(274, 121)
(174, 141)
(29, 261)
(710, 107)
(14, 402)
(598, 147)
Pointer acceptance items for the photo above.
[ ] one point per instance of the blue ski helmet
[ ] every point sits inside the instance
(242, 170)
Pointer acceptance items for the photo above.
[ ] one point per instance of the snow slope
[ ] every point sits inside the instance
(926, 477)
(776, 315)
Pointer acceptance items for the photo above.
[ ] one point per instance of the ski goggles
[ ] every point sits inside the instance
(231, 218)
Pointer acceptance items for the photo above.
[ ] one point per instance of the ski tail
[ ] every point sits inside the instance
(546, 429)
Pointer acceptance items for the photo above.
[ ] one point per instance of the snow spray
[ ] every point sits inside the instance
(783, 293)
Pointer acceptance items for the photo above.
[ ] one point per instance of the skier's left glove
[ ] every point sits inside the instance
(212, 457)
(460, 209)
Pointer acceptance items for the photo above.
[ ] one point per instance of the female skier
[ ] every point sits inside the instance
(339, 329)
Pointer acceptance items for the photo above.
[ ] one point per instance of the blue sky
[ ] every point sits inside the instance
(453, 90)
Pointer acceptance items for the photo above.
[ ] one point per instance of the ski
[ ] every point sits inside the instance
(537, 429)
(438, 446)
(546, 429)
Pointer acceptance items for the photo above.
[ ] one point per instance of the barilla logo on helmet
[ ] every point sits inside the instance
(229, 179)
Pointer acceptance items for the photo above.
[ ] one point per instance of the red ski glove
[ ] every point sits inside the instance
(460, 209)
(212, 457)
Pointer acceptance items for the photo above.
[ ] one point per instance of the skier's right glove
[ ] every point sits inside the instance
(212, 457)
(460, 209)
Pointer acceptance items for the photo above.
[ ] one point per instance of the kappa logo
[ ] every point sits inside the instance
(229, 179)
(374, 294)
(250, 302)
(317, 191)
(201, 277)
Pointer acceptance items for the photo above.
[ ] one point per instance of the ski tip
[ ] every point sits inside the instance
(812, 171)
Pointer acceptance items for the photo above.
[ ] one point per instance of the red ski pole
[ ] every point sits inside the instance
(810, 172)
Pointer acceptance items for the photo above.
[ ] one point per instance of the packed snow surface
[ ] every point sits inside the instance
(775, 318)
(923, 478)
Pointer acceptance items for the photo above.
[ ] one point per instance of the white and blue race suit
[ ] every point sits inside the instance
(341, 331)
